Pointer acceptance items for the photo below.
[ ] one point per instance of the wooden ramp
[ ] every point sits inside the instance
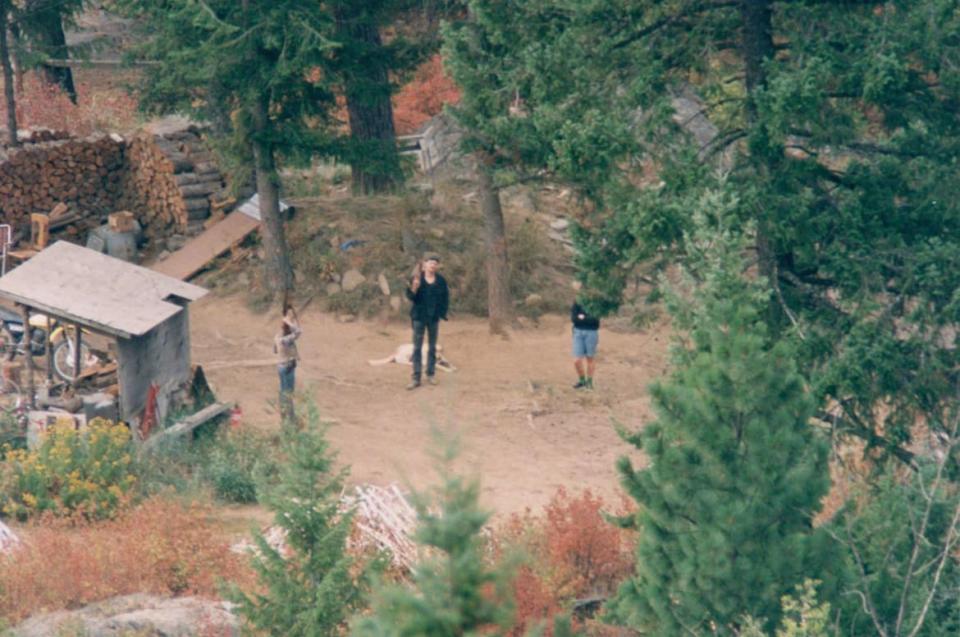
(208, 245)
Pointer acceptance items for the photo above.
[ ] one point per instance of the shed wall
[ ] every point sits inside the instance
(160, 356)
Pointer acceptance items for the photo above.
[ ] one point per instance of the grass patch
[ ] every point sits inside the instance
(232, 465)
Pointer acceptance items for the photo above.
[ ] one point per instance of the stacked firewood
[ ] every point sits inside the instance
(39, 135)
(84, 174)
(171, 180)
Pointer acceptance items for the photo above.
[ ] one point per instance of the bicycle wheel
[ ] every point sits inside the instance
(63, 356)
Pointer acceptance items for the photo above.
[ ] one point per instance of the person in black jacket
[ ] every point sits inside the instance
(586, 335)
(431, 299)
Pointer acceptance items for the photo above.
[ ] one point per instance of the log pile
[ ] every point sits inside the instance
(171, 181)
(84, 174)
(383, 520)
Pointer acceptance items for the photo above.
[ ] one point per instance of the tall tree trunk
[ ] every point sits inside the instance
(757, 46)
(46, 29)
(8, 79)
(499, 307)
(373, 157)
(277, 268)
(757, 49)
(18, 70)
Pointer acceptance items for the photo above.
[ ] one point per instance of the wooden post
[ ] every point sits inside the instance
(49, 349)
(76, 354)
(28, 355)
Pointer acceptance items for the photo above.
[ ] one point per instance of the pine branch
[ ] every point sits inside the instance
(849, 423)
(209, 11)
(674, 19)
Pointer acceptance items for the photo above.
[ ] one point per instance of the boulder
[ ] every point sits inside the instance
(533, 300)
(395, 303)
(138, 614)
(560, 224)
(333, 288)
(352, 279)
(8, 539)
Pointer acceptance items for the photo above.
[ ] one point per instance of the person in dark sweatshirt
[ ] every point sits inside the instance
(431, 298)
(586, 335)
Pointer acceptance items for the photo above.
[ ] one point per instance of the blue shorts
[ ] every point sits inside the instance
(585, 343)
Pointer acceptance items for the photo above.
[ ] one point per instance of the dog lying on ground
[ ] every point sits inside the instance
(403, 355)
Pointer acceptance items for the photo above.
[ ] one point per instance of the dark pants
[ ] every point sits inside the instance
(432, 329)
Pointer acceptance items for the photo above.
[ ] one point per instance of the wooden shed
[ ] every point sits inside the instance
(144, 311)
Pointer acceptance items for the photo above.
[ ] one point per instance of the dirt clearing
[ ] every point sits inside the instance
(524, 430)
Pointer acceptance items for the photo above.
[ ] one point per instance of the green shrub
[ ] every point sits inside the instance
(230, 464)
(804, 615)
(11, 432)
(89, 472)
(238, 462)
(173, 466)
(313, 586)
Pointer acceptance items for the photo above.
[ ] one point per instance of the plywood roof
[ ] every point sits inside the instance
(106, 294)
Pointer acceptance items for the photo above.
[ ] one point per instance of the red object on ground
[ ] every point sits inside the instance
(149, 419)
(236, 417)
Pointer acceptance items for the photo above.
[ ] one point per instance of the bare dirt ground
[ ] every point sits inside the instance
(524, 430)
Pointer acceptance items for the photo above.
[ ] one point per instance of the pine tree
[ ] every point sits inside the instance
(312, 588)
(901, 537)
(834, 120)
(455, 590)
(736, 472)
(367, 67)
(42, 21)
(261, 62)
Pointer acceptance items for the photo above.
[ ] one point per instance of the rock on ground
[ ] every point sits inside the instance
(384, 284)
(8, 539)
(139, 614)
(352, 279)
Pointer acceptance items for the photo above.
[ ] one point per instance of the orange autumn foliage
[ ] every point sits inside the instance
(424, 96)
(572, 553)
(161, 547)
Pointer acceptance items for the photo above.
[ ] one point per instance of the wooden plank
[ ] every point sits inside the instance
(259, 362)
(187, 425)
(207, 246)
(97, 370)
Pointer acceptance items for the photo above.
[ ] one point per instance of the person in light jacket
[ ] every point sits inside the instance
(285, 347)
